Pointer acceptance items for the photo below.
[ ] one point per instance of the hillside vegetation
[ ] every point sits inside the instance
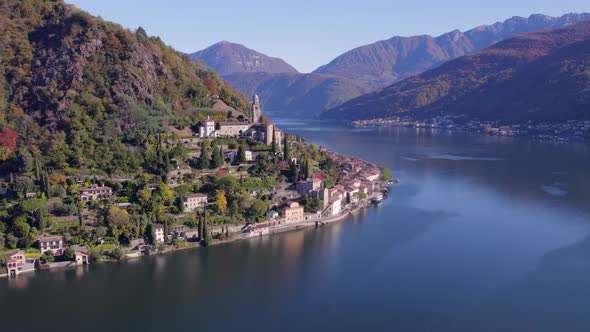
(84, 93)
(541, 76)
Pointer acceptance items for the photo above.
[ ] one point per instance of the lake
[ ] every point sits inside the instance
(481, 234)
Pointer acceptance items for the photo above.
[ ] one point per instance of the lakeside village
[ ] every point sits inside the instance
(222, 181)
(572, 130)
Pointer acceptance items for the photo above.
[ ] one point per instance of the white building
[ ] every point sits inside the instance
(53, 243)
(194, 201)
(96, 192)
(159, 230)
(207, 129)
(248, 154)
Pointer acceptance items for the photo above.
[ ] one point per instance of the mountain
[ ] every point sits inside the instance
(308, 94)
(228, 58)
(278, 84)
(85, 93)
(542, 76)
(385, 62)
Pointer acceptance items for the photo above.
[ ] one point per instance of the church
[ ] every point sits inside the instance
(260, 128)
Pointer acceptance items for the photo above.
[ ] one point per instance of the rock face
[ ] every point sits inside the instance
(228, 58)
(540, 76)
(385, 62)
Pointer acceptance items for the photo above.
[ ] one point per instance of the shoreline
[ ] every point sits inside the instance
(280, 229)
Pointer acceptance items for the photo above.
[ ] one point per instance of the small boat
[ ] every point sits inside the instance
(395, 180)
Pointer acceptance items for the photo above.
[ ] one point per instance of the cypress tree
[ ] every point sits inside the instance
(286, 149)
(274, 143)
(241, 153)
(217, 160)
(205, 157)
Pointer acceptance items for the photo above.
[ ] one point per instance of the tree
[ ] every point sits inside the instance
(241, 158)
(69, 254)
(386, 174)
(94, 257)
(286, 149)
(204, 158)
(7, 143)
(274, 143)
(117, 253)
(23, 185)
(117, 217)
(220, 201)
(217, 159)
(293, 172)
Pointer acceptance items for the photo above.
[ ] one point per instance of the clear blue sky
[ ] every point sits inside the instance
(308, 34)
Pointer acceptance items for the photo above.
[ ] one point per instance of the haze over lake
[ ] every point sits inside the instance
(481, 234)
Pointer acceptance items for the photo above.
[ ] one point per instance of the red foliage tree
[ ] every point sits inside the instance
(211, 86)
(8, 139)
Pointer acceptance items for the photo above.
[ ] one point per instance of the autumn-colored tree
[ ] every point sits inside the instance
(220, 201)
(211, 86)
(7, 143)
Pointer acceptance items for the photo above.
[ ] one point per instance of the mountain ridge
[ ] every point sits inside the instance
(227, 58)
(480, 84)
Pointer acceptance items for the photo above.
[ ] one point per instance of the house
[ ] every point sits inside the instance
(230, 154)
(191, 234)
(15, 262)
(96, 192)
(159, 230)
(178, 230)
(334, 208)
(30, 194)
(194, 201)
(53, 243)
(292, 212)
(81, 255)
(272, 214)
(321, 194)
(248, 155)
(304, 187)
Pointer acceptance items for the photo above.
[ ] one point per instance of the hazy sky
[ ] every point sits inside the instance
(308, 34)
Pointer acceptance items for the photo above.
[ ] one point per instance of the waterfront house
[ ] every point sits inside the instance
(191, 234)
(96, 192)
(194, 201)
(15, 262)
(159, 230)
(81, 255)
(292, 212)
(334, 208)
(53, 243)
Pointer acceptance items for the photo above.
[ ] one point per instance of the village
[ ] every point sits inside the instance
(233, 180)
(572, 130)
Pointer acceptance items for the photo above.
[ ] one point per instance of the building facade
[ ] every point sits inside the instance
(53, 243)
(194, 201)
(292, 212)
(96, 192)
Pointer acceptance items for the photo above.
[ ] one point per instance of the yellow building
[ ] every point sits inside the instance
(292, 212)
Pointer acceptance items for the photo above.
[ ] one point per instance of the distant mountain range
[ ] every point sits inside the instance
(228, 58)
(382, 63)
(541, 76)
(362, 70)
(306, 93)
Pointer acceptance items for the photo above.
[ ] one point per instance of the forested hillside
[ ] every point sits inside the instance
(539, 76)
(80, 92)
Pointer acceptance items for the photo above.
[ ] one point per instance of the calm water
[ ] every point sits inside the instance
(482, 234)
